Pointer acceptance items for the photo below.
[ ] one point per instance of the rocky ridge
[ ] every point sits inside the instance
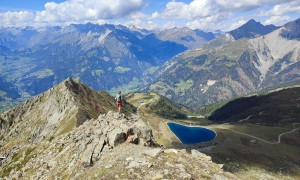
(102, 144)
(54, 112)
(113, 146)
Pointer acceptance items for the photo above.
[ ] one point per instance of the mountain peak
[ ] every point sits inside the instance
(252, 24)
(69, 79)
(72, 85)
(252, 21)
(252, 29)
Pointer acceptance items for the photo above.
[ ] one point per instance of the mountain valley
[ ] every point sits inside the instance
(58, 116)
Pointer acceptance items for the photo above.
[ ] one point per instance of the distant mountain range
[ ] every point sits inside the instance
(237, 67)
(250, 29)
(109, 57)
(103, 56)
(192, 39)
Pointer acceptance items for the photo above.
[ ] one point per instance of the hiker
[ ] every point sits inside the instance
(119, 99)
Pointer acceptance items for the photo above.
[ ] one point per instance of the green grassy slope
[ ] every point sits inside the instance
(167, 109)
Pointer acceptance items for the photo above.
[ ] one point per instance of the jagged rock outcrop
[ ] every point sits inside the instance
(103, 148)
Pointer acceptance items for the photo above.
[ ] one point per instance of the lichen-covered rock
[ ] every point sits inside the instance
(100, 149)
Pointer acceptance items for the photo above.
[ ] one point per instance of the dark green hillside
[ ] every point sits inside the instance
(276, 108)
(233, 107)
(165, 108)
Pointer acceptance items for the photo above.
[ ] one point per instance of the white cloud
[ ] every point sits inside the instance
(138, 15)
(226, 14)
(78, 10)
(203, 14)
(213, 22)
(169, 25)
(207, 14)
(245, 5)
(204, 8)
(196, 9)
(237, 24)
(141, 24)
(283, 9)
(20, 18)
(240, 5)
(73, 11)
(155, 15)
(277, 20)
(99, 21)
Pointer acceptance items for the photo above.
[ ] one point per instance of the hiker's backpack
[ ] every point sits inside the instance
(119, 98)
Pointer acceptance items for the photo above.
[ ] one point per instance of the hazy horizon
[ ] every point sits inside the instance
(207, 15)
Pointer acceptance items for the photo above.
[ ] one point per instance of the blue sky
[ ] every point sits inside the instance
(150, 14)
(32, 5)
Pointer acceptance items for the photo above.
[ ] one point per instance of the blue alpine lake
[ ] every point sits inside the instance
(191, 135)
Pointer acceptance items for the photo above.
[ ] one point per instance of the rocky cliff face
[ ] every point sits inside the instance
(35, 143)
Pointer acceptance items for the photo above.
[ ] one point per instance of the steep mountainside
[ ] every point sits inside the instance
(69, 132)
(208, 75)
(101, 56)
(191, 39)
(275, 109)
